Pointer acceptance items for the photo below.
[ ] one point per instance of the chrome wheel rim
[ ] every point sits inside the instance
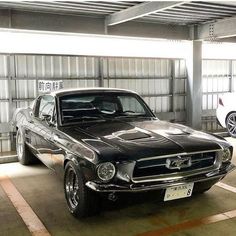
(20, 145)
(231, 124)
(72, 188)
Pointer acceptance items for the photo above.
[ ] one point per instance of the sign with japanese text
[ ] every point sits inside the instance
(49, 86)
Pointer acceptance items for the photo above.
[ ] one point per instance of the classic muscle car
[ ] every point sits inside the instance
(104, 141)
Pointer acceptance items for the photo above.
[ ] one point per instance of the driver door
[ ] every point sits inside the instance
(43, 131)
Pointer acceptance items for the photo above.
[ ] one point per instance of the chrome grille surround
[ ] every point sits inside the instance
(182, 173)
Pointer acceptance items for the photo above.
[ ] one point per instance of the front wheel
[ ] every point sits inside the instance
(81, 201)
(231, 124)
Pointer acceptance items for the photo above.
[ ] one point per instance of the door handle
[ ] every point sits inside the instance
(31, 121)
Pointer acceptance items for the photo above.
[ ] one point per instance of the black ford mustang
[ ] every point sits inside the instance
(109, 141)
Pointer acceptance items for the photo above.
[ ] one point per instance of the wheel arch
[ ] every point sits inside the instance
(86, 168)
(70, 157)
(65, 162)
(228, 116)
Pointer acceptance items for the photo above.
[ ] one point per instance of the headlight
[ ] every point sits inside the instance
(225, 155)
(106, 171)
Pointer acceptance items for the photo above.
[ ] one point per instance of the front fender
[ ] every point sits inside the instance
(85, 167)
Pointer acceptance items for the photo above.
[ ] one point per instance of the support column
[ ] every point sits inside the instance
(11, 74)
(194, 85)
(101, 73)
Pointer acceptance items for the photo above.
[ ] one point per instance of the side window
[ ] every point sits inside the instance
(45, 106)
(131, 104)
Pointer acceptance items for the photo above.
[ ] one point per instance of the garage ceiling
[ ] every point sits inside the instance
(183, 13)
(77, 8)
(206, 15)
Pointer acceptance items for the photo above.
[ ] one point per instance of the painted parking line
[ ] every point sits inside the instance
(8, 156)
(191, 224)
(226, 186)
(31, 220)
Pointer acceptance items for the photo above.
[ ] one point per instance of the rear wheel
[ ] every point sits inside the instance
(81, 201)
(25, 157)
(231, 124)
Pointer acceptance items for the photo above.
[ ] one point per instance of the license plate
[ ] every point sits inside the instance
(179, 191)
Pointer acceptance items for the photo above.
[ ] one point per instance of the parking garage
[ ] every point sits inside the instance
(178, 56)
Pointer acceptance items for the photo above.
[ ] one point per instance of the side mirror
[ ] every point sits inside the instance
(46, 117)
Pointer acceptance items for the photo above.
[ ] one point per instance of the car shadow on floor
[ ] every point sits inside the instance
(141, 205)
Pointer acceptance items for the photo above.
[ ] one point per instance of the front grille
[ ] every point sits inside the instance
(159, 166)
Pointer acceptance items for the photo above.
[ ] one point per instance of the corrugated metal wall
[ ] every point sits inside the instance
(162, 82)
(151, 78)
(4, 103)
(218, 78)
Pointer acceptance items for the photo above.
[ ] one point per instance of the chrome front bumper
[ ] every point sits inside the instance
(214, 176)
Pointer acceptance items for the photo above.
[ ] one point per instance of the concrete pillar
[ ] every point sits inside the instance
(194, 85)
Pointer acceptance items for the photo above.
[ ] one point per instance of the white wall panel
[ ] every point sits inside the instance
(24, 89)
(215, 67)
(5, 144)
(159, 104)
(180, 103)
(136, 67)
(4, 111)
(82, 83)
(4, 94)
(41, 66)
(180, 85)
(150, 78)
(217, 80)
(233, 76)
(3, 66)
(180, 68)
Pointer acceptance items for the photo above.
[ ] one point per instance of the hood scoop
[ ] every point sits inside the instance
(170, 131)
(176, 132)
(130, 136)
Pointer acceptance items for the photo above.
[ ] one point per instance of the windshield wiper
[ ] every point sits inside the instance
(84, 118)
(137, 115)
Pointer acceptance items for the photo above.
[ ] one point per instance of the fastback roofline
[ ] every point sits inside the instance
(96, 89)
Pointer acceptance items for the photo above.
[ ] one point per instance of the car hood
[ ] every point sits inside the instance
(144, 138)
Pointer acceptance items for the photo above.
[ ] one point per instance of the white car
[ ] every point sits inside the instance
(226, 112)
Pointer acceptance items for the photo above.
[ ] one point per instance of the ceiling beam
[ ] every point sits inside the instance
(217, 30)
(138, 11)
(88, 25)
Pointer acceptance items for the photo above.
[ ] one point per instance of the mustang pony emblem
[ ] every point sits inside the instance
(178, 163)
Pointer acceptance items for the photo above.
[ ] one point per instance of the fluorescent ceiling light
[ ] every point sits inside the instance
(43, 42)
(21, 41)
(219, 50)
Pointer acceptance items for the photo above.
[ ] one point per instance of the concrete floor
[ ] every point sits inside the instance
(131, 215)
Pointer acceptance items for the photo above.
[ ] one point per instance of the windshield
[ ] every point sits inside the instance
(99, 106)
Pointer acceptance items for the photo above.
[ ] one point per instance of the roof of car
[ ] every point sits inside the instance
(83, 90)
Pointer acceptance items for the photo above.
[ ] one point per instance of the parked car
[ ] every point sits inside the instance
(226, 112)
(105, 141)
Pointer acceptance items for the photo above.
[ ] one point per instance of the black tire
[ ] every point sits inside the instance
(231, 124)
(82, 202)
(25, 157)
